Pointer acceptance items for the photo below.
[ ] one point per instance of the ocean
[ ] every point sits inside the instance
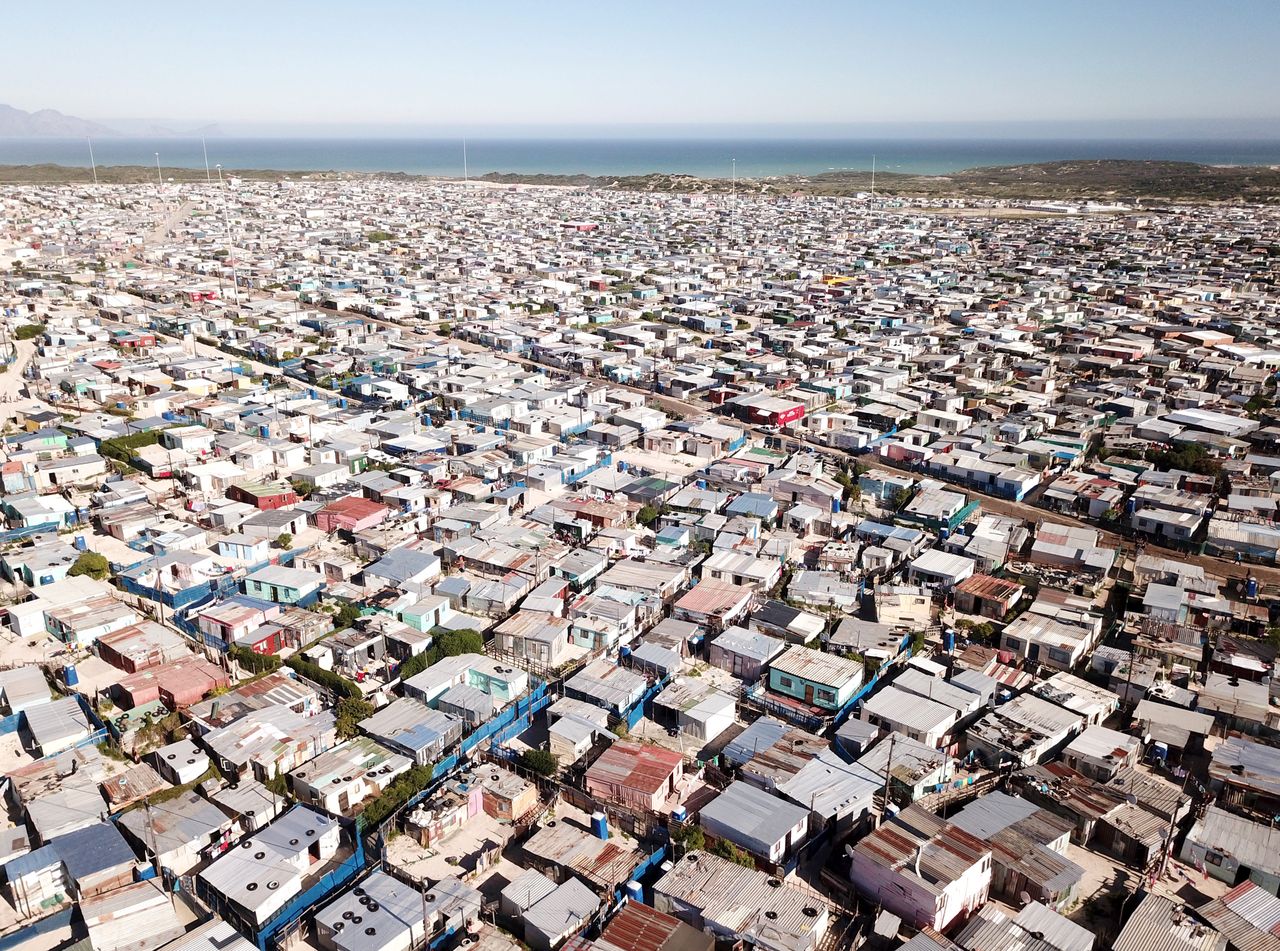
(705, 158)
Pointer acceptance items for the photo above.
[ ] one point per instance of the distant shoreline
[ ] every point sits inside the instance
(1069, 180)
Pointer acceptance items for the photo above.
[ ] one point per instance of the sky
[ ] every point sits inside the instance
(654, 66)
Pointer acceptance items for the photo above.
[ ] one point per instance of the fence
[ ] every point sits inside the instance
(56, 922)
(635, 714)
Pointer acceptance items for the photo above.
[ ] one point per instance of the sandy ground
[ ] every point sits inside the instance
(679, 466)
(1108, 882)
(15, 651)
(12, 754)
(431, 865)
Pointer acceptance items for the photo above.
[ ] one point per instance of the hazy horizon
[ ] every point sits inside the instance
(397, 65)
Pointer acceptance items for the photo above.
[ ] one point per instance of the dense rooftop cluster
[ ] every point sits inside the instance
(392, 564)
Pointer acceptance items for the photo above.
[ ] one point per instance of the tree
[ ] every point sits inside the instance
(540, 762)
(445, 330)
(284, 541)
(689, 836)
(252, 661)
(28, 331)
(648, 516)
(347, 615)
(727, 850)
(901, 498)
(351, 710)
(92, 564)
(447, 644)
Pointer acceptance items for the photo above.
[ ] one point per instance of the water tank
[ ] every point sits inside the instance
(835, 504)
(342, 404)
(264, 431)
(635, 892)
(680, 813)
(81, 543)
(624, 653)
(70, 676)
(1251, 587)
(1130, 507)
(599, 825)
(702, 483)
(169, 416)
(47, 579)
(944, 534)
(949, 640)
(312, 394)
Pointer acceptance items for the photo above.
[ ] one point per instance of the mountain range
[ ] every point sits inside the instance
(50, 123)
(46, 122)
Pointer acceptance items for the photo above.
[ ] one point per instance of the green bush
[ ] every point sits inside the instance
(92, 564)
(406, 786)
(253, 661)
(28, 331)
(336, 684)
(347, 615)
(121, 447)
(727, 850)
(540, 762)
(350, 712)
(447, 644)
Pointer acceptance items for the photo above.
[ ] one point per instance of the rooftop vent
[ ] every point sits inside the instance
(251, 887)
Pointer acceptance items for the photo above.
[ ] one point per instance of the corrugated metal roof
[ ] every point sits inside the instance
(646, 769)
(1249, 917)
(1251, 844)
(1159, 924)
(818, 667)
(743, 903)
(751, 817)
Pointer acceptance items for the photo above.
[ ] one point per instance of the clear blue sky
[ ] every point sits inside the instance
(562, 63)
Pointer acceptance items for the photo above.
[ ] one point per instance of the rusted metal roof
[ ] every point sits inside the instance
(645, 769)
(641, 928)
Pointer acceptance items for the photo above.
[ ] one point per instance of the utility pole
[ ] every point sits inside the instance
(888, 773)
(159, 177)
(93, 163)
(873, 181)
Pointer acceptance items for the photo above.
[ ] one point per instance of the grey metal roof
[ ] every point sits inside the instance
(832, 788)
(93, 849)
(59, 720)
(1251, 844)
(1249, 917)
(751, 817)
(758, 736)
(563, 910)
(1160, 924)
(176, 823)
(390, 913)
(753, 644)
(527, 889)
